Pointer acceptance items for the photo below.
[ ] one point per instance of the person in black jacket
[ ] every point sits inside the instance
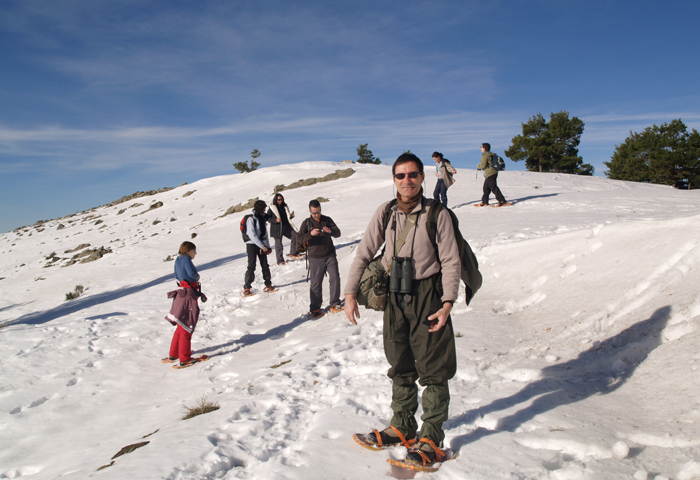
(281, 225)
(316, 231)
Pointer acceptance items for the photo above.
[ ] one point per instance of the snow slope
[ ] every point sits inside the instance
(584, 335)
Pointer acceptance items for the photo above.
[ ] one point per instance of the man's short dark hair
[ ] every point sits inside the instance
(486, 146)
(407, 158)
(314, 203)
(437, 155)
(259, 207)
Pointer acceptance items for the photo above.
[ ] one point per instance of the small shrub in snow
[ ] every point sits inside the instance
(78, 291)
(203, 406)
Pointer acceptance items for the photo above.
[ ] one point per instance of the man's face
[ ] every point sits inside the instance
(315, 213)
(408, 187)
(483, 149)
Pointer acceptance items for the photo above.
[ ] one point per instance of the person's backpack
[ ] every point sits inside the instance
(497, 163)
(470, 266)
(244, 227)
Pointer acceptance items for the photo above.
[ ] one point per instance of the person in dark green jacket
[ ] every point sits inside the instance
(491, 176)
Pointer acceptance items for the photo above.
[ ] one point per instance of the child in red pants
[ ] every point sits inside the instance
(184, 312)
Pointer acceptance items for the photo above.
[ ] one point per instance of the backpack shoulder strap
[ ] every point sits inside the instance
(387, 214)
(431, 224)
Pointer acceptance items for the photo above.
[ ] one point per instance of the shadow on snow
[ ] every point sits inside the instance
(87, 301)
(251, 338)
(513, 200)
(570, 382)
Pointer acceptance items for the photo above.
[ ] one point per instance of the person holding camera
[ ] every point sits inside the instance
(418, 335)
(317, 232)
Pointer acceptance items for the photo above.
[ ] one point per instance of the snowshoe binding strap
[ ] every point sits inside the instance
(440, 456)
(403, 441)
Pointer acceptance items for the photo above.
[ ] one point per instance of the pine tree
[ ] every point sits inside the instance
(550, 146)
(666, 154)
(365, 155)
(243, 167)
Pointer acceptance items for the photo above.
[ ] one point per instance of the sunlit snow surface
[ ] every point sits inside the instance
(584, 335)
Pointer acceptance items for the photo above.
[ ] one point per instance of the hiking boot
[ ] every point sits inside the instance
(247, 292)
(425, 453)
(481, 205)
(389, 437)
(168, 360)
(336, 309)
(269, 289)
(314, 314)
(189, 362)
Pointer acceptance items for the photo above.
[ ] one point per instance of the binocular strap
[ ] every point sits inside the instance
(401, 239)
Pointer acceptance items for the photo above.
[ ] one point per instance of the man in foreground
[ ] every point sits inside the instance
(418, 335)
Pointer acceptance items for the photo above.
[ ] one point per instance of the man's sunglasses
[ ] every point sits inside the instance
(401, 176)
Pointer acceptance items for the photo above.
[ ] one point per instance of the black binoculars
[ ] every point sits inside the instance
(400, 279)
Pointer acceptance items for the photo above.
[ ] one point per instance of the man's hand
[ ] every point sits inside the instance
(351, 308)
(279, 220)
(264, 249)
(437, 319)
(315, 232)
(326, 229)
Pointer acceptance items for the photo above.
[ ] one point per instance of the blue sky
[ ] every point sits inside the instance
(101, 99)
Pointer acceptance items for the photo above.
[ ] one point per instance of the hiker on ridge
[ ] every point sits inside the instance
(281, 225)
(419, 341)
(443, 171)
(490, 178)
(317, 230)
(257, 248)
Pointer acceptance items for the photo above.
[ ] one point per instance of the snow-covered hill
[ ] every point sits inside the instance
(584, 334)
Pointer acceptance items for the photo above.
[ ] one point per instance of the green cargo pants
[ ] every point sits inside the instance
(416, 354)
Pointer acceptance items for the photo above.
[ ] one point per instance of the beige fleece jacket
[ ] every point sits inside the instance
(425, 261)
